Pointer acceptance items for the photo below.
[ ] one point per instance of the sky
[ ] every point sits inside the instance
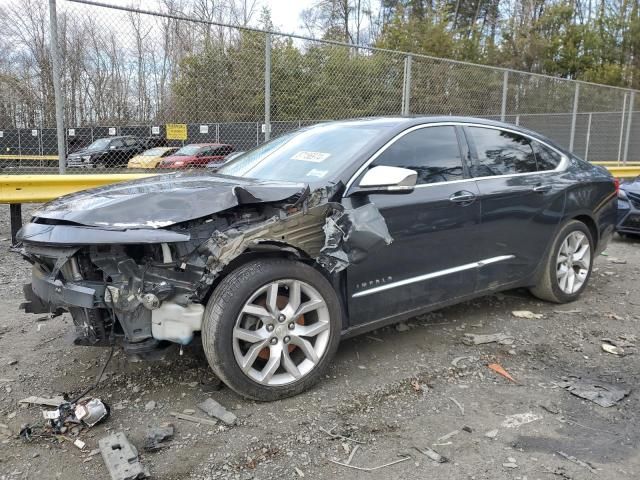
(285, 14)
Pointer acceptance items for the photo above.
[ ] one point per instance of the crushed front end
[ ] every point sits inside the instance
(136, 263)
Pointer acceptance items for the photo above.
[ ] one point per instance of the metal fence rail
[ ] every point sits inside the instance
(129, 72)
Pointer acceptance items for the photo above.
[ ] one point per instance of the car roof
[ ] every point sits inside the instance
(398, 123)
(207, 145)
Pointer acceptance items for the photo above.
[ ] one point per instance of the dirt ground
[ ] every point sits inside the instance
(387, 392)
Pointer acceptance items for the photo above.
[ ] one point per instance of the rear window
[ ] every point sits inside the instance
(500, 152)
(154, 152)
(547, 159)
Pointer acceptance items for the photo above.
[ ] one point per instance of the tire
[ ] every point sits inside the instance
(246, 313)
(550, 284)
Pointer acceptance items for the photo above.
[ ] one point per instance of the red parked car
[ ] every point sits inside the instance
(197, 155)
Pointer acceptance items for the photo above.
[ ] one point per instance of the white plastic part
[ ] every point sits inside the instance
(166, 253)
(176, 323)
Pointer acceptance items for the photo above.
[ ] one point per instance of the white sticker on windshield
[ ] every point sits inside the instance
(317, 173)
(315, 157)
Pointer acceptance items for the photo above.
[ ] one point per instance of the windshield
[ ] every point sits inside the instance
(154, 152)
(188, 150)
(305, 155)
(99, 144)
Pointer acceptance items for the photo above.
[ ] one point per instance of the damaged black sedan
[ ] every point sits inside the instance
(320, 234)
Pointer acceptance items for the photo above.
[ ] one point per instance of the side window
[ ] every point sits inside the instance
(219, 152)
(116, 143)
(433, 152)
(129, 142)
(501, 153)
(547, 159)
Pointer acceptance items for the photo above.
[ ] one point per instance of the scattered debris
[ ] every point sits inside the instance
(577, 461)
(501, 371)
(48, 402)
(91, 411)
(518, 419)
(188, 411)
(607, 347)
(79, 443)
(466, 428)
(455, 363)
(479, 339)
(550, 407)
(491, 434)
(568, 312)
(191, 418)
(335, 435)
(600, 393)
(12, 362)
(121, 458)
(370, 469)
(352, 454)
(458, 404)
(432, 454)
(214, 409)
(415, 384)
(527, 314)
(156, 435)
(402, 327)
(299, 472)
(614, 316)
(448, 436)
(150, 405)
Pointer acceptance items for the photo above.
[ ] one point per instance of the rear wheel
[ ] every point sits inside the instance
(568, 266)
(271, 328)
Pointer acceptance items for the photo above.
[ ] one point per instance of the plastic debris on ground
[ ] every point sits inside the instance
(479, 339)
(600, 393)
(519, 419)
(496, 367)
(121, 458)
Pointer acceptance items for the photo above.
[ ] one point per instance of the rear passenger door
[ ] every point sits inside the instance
(521, 200)
(433, 257)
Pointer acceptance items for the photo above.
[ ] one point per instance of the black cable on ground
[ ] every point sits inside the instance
(98, 378)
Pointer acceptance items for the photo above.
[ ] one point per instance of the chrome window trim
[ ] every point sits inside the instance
(429, 276)
(562, 166)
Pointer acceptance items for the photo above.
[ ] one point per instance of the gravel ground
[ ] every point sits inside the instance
(387, 392)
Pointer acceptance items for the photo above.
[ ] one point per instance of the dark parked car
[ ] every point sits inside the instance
(318, 235)
(629, 208)
(197, 155)
(109, 152)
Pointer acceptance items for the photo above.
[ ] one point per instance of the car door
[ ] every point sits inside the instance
(111, 158)
(521, 203)
(433, 254)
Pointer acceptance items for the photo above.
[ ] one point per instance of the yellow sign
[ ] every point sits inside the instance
(176, 131)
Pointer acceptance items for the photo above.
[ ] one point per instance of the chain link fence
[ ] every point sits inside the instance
(144, 90)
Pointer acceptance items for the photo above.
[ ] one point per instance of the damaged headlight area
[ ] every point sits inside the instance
(147, 286)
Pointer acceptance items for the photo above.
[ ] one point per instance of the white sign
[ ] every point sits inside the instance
(315, 157)
(112, 131)
(72, 132)
(1, 134)
(264, 128)
(204, 128)
(155, 130)
(34, 133)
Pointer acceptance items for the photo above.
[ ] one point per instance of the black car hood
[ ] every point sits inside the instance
(163, 200)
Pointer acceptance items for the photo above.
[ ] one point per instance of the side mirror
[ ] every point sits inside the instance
(388, 179)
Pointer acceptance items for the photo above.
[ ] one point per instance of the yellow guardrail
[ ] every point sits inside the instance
(29, 157)
(42, 188)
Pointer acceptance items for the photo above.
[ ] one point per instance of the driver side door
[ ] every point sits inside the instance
(433, 257)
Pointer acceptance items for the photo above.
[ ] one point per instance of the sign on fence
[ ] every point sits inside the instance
(176, 131)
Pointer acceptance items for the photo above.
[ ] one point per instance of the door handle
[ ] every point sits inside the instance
(542, 188)
(463, 197)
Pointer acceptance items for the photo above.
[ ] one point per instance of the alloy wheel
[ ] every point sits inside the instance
(573, 262)
(281, 333)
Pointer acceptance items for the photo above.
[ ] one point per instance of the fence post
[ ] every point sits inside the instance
(624, 112)
(406, 86)
(629, 117)
(57, 87)
(505, 92)
(267, 86)
(574, 116)
(586, 148)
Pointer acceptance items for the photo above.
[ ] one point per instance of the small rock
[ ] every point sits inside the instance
(188, 411)
(491, 434)
(150, 405)
(12, 362)
(402, 327)
(510, 465)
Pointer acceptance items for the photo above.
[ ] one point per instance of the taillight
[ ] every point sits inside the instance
(616, 183)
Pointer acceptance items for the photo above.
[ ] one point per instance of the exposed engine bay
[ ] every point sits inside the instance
(136, 262)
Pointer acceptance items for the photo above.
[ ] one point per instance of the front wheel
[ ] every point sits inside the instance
(271, 328)
(568, 267)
